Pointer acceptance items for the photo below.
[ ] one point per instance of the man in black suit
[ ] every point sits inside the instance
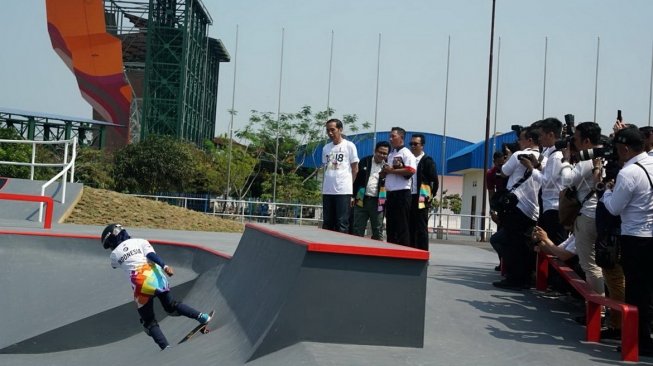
(424, 186)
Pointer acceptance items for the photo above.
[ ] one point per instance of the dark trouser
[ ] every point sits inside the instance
(418, 225)
(397, 212)
(550, 222)
(637, 260)
(518, 255)
(171, 307)
(498, 241)
(369, 211)
(335, 212)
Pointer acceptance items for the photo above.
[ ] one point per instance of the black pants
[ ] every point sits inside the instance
(517, 252)
(550, 222)
(397, 212)
(637, 262)
(335, 212)
(418, 225)
(171, 307)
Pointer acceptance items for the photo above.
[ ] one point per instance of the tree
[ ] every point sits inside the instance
(94, 168)
(163, 164)
(243, 169)
(452, 202)
(298, 135)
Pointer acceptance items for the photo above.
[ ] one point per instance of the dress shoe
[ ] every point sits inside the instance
(507, 285)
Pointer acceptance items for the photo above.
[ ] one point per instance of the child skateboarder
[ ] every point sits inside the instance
(146, 273)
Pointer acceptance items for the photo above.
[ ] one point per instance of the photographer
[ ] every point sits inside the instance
(648, 139)
(580, 176)
(520, 221)
(549, 132)
(632, 198)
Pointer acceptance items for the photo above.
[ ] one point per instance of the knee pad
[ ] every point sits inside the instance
(149, 325)
(172, 310)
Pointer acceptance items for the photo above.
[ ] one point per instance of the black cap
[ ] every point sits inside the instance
(629, 136)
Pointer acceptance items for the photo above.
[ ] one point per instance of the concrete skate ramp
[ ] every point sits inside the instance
(63, 304)
(60, 293)
(19, 210)
(288, 284)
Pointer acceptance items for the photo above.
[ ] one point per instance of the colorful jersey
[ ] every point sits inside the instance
(147, 278)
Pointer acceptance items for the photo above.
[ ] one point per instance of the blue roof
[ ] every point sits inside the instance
(471, 157)
(364, 144)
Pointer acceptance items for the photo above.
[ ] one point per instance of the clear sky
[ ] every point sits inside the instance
(413, 60)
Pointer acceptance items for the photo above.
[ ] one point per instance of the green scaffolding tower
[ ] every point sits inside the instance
(181, 71)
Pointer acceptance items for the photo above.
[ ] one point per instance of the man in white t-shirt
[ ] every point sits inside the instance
(340, 162)
(400, 168)
(147, 274)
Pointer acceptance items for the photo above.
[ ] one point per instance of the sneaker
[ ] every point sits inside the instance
(203, 318)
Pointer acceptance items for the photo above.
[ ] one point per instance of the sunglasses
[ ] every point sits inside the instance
(414, 144)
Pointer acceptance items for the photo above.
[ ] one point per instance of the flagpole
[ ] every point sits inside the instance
(444, 137)
(650, 88)
(376, 102)
(487, 123)
(231, 122)
(496, 99)
(328, 106)
(596, 76)
(546, 49)
(276, 147)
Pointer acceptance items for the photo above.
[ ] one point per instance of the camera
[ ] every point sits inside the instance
(526, 156)
(606, 152)
(567, 133)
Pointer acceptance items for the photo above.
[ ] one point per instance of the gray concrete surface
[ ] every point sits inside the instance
(467, 321)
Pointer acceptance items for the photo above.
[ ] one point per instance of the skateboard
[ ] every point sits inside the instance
(201, 328)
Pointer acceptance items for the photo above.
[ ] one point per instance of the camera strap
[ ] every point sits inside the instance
(645, 171)
(527, 174)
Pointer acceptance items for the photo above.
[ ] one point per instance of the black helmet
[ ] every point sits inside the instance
(113, 235)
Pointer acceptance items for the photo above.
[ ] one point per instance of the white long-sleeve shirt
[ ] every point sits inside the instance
(527, 191)
(580, 176)
(632, 197)
(550, 179)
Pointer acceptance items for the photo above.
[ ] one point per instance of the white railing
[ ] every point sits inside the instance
(66, 165)
(261, 211)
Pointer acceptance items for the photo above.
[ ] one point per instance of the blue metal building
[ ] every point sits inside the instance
(471, 156)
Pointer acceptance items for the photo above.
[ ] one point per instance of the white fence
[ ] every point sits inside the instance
(67, 165)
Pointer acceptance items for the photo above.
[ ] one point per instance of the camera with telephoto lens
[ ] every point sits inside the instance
(567, 133)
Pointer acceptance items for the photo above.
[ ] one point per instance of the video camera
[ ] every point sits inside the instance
(567, 133)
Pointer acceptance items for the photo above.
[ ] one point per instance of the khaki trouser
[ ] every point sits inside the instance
(616, 283)
(585, 233)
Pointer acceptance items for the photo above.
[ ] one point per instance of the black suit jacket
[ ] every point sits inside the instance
(427, 173)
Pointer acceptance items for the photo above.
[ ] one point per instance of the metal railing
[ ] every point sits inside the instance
(66, 165)
(447, 224)
(453, 226)
(262, 211)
